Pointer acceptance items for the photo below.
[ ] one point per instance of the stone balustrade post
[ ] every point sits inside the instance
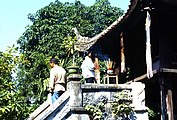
(74, 89)
(77, 112)
(138, 93)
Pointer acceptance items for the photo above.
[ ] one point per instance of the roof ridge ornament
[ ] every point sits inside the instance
(83, 43)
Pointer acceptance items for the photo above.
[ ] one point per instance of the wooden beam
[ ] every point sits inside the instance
(168, 70)
(142, 77)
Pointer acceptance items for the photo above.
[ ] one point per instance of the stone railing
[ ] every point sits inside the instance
(70, 105)
(45, 110)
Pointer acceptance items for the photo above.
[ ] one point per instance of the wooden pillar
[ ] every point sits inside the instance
(165, 37)
(163, 101)
(166, 97)
(97, 70)
(169, 101)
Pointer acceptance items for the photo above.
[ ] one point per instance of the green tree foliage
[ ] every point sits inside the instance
(11, 99)
(45, 36)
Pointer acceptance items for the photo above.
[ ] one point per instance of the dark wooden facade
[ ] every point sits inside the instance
(161, 89)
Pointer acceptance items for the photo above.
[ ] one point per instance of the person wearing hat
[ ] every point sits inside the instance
(57, 79)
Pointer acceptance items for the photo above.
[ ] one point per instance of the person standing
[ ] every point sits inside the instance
(57, 79)
(88, 68)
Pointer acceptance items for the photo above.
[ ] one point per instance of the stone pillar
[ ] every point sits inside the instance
(77, 112)
(74, 89)
(138, 102)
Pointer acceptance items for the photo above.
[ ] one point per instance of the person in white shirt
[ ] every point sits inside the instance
(88, 68)
(57, 79)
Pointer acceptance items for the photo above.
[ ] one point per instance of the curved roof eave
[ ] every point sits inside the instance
(119, 21)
